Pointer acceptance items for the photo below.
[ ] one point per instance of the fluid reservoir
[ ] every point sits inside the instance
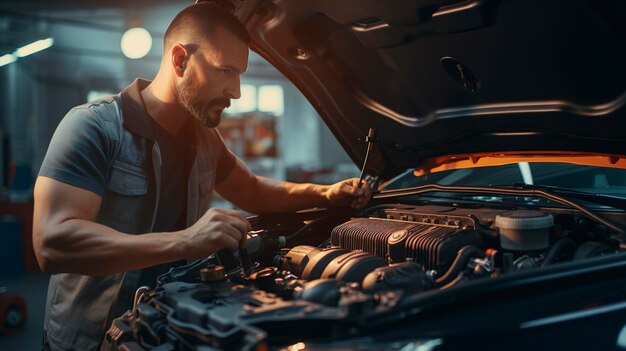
(524, 230)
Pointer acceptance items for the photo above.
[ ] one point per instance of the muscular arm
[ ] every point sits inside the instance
(67, 240)
(263, 195)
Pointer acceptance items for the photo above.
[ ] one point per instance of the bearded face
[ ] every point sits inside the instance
(208, 112)
(210, 76)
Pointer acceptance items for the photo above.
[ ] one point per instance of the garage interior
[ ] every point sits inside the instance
(76, 56)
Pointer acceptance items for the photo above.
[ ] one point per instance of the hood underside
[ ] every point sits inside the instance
(437, 78)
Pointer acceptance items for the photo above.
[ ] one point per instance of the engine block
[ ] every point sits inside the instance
(431, 242)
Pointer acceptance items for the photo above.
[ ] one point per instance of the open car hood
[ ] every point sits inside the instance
(437, 78)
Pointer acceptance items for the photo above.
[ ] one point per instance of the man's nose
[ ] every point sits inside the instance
(233, 89)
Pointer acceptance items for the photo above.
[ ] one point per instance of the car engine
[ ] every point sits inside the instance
(330, 274)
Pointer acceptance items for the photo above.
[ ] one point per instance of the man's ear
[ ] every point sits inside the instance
(179, 55)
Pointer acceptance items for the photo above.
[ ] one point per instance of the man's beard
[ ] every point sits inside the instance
(201, 111)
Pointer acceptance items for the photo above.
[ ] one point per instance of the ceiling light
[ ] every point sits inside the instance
(34, 47)
(136, 43)
(6, 59)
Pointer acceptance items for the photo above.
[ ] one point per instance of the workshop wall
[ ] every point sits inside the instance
(34, 105)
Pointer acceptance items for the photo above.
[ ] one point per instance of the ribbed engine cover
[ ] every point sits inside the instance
(432, 245)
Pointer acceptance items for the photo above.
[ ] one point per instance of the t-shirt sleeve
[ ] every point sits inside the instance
(77, 154)
(225, 160)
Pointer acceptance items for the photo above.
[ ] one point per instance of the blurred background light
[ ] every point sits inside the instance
(6, 59)
(136, 43)
(96, 94)
(247, 101)
(34, 47)
(271, 99)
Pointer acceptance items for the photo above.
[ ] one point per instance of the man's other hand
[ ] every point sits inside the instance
(347, 192)
(217, 229)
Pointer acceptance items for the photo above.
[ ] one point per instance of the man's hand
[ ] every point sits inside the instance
(217, 229)
(347, 193)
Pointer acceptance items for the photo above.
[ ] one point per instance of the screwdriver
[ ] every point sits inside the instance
(370, 139)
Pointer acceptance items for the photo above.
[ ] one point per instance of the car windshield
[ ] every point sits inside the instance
(591, 179)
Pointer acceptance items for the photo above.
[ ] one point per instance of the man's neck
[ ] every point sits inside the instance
(162, 106)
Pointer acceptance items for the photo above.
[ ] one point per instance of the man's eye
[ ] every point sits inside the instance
(224, 71)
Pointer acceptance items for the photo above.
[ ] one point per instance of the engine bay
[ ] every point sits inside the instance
(327, 273)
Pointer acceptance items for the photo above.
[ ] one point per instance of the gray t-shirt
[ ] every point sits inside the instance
(77, 152)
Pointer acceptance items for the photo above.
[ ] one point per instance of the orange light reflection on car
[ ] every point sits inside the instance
(452, 162)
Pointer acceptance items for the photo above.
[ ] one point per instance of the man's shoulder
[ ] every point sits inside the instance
(105, 107)
(101, 116)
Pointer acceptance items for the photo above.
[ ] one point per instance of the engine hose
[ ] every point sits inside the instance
(462, 257)
(558, 248)
(455, 281)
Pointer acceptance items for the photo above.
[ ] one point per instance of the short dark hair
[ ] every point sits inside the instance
(202, 19)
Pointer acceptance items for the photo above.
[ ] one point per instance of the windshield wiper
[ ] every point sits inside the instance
(561, 196)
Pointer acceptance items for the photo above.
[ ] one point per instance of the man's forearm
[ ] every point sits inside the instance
(281, 196)
(263, 195)
(85, 247)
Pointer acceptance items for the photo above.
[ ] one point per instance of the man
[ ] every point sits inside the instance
(145, 162)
